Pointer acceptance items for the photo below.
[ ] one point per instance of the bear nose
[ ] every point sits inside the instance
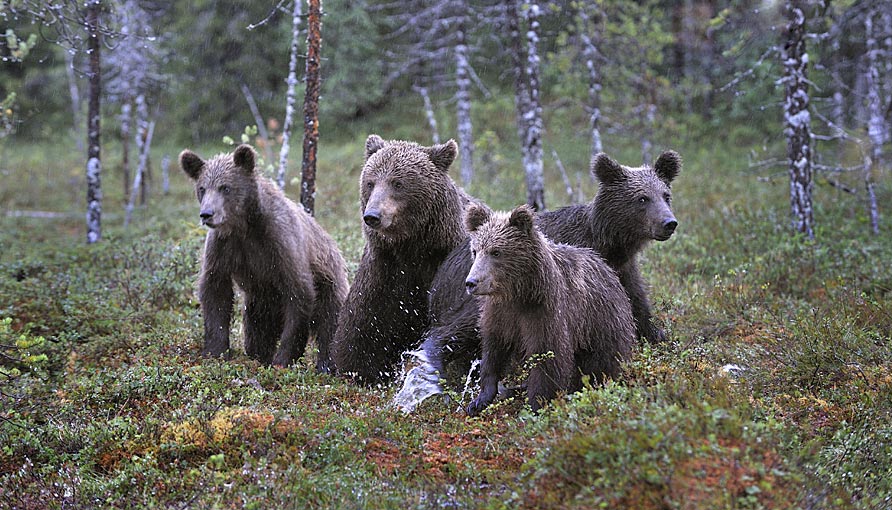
(670, 225)
(372, 218)
(470, 285)
(206, 214)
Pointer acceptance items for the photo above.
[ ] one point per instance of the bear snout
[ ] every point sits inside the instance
(207, 215)
(372, 218)
(668, 228)
(470, 285)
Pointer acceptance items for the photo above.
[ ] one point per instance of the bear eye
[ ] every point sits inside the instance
(369, 185)
(473, 253)
(496, 253)
(201, 191)
(397, 185)
(643, 200)
(667, 197)
(225, 190)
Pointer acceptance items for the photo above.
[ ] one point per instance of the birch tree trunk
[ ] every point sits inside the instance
(291, 97)
(142, 145)
(429, 113)
(94, 165)
(590, 51)
(463, 106)
(797, 119)
(140, 171)
(126, 115)
(75, 94)
(526, 99)
(311, 106)
(876, 123)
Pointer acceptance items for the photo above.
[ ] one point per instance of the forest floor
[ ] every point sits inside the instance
(774, 391)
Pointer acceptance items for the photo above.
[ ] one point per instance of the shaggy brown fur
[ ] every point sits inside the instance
(292, 275)
(538, 297)
(412, 218)
(631, 208)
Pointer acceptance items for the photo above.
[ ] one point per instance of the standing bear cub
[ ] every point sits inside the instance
(412, 218)
(290, 271)
(537, 297)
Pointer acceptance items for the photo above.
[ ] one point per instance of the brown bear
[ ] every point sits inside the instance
(536, 297)
(631, 208)
(412, 218)
(290, 271)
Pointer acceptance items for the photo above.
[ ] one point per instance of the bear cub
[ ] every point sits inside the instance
(290, 271)
(537, 297)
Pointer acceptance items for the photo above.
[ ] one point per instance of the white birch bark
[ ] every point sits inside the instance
(74, 93)
(532, 142)
(291, 97)
(94, 165)
(876, 123)
(140, 170)
(463, 107)
(590, 51)
(797, 119)
(429, 113)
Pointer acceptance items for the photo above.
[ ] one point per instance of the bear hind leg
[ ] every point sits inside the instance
(263, 326)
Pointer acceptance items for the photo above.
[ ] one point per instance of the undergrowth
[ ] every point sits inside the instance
(775, 390)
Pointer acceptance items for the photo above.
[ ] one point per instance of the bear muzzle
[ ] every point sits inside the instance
(667, 229)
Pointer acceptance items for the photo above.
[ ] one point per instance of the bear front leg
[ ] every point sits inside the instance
(495, 356)
(216, 297)
(548, 376)
(636, 289)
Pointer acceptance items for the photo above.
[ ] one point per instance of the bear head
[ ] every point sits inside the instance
(507, 252)
(402, 186)
(639, 199)
(225, 186)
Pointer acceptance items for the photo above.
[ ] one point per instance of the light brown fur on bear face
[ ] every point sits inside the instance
(537, 297)
(292, 275)
(399, 183)
(412, 218)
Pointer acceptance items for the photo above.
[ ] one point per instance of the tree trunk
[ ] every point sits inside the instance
(126, 115)
(526, 99)
(142, 146)
(590, 52)
(258, 121)
(291, 97)
(876, 124)
(797, 119)
(140, 171)
(94, 164)
(429, 113)
(75, 94)
(463, 107)
(311, 107)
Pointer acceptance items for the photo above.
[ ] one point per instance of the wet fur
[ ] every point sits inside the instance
(613, 224)
(538, 297)
(407, 188)
(289, 269)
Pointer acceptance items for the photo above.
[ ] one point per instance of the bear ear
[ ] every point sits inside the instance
(522, 218)
(443, 154)
(605, 169)
(476, 215)
(373, 144)
(244, 157)
(668, 166)
(191, 164)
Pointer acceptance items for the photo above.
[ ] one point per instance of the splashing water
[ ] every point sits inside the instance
(420, 381)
